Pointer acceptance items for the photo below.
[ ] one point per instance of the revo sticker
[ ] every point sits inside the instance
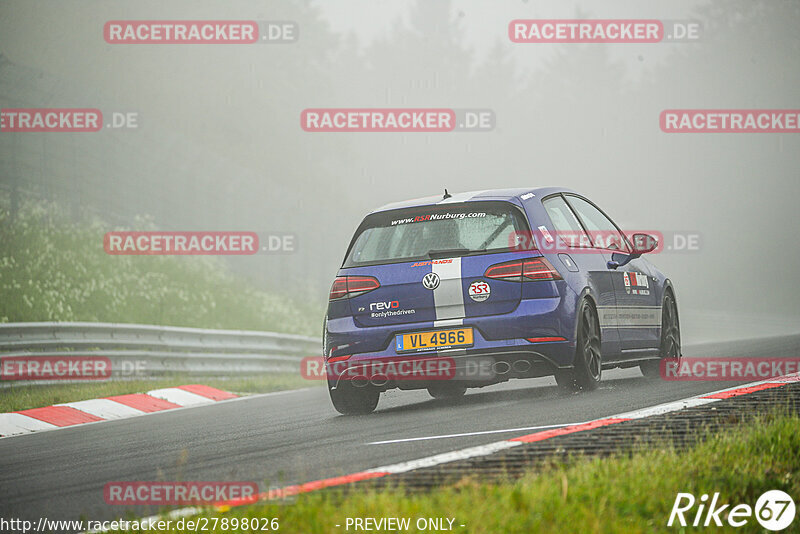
(384, 305)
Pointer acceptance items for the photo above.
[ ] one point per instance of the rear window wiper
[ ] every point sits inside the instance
(447, 252)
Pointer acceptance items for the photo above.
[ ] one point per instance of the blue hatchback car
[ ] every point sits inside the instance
(467, 290)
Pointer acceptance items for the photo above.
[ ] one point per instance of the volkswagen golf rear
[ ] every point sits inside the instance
(454, 292)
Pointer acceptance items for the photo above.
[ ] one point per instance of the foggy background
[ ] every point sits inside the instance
(220, 146)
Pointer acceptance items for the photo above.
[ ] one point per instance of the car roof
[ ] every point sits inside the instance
(508, 195)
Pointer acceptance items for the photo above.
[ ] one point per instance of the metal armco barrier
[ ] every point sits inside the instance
(159, 350)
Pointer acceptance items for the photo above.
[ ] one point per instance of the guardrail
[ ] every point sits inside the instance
(161, 349)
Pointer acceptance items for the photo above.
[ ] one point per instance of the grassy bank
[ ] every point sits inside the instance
(54, 270)
(626, 494)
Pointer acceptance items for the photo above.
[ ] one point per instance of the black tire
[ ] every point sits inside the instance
(670, 337)
(350, 400)
(446, 391)
(588, 367)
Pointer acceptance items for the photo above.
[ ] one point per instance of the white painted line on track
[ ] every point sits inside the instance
(477, 433)
(664, 408)
(447, 457)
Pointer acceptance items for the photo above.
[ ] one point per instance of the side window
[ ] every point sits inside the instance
(603, 232)
(567, 227)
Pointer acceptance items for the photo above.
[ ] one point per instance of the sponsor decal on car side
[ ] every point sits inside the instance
(431, 262)
(479, 290)
(636, 283)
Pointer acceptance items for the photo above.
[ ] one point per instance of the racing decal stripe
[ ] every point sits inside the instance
(629, 316)
(448, 298)
(448, 322)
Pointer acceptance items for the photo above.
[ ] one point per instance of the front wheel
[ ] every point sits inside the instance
(670, 338)
(585, 373)
(351, 400)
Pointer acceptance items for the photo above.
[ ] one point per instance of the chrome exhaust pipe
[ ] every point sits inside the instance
(360, 381)
(501, 367)
(521, 366)
(379, 380)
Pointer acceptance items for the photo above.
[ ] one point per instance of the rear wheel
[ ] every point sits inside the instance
(585, 373)
(670, 337)
(446, 391)
(350, 400)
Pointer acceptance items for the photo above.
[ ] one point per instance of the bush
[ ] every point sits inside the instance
(54, 270)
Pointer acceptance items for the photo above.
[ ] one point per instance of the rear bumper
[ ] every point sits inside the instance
(499, 337)
(467, 369)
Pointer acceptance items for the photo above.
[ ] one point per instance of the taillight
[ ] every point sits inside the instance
(539, 269)
(523, 270)
(352, 286)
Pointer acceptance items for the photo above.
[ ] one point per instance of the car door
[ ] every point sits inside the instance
(567, 244)
(636, 314)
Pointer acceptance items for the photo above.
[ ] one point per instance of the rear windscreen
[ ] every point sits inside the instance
(436, 231)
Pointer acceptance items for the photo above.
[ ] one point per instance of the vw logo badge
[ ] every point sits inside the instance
(430, 281)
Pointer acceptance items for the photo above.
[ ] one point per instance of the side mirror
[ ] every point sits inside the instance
(643, 243)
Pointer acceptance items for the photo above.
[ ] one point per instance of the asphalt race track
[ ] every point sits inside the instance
(293, 437)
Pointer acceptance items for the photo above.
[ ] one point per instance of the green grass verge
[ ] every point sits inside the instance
(625, 494)
(15, 397)
(54, 270)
